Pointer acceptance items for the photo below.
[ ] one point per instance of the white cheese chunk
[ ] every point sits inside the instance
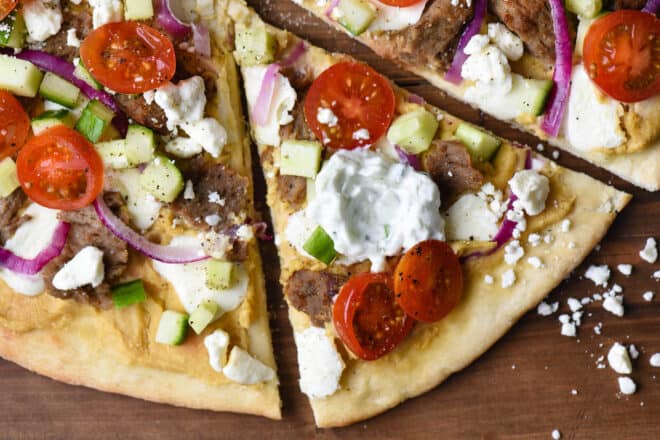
(648, 296)
(545, 309)
(470, 218)
(106, 11)
(487, 66)
(391, 18)
(532, 190)
(574, 304)
(361, 135)
(625, 269)
(614, 305)
(183, 147)
(71, 38)
(299, 228)
(327, 117)
(142, 206)
(183, 102)
(568, 329)
(208, 133)
(320, 364)
(508, 278)
(246, 370)
(556, 434)
(513, 252)
(43, 19)
(619, 360)
(506, 41)
(654, 361)
(189, 191)
(216, 344)
(632, 350)
(627, 386)
(85, 268)
(600, 275)
(650, 251)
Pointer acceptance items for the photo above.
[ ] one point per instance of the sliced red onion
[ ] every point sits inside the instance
(416, 99)
(261, 231)
(331, 7)
(165, 254)
(34, 265)
(170, 22)
(454, 73)
(295, 54)
(265, 97)
(563, 69)
(408, 158)
(652, 6)
(202, 40)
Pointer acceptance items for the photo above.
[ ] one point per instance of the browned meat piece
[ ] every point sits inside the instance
(628, 4)
(312, 292)
(149, 115)
(9, 217)
(191, 64)
(73, 17)
(450, 167)
(293, 189)
(298, 129)
(87, 230)
(430, 42)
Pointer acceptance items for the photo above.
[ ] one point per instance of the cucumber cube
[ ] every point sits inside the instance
(162, 179)
(414, 131)
(585, 8)
(113, 154)
(203, 315)
(50, 119)
(219, 274)
(94, 121)
(254, 45)
(355, 15)
(140, 144)
(138, 9)
(59, 90)
(300, 158)
(320, 246)
(13, 30)
(481, 145)
(127, 294)
(83, 74)
(19, 77)
(8, 177)
(172, 328)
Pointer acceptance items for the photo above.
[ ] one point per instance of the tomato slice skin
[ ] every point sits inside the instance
(129, 57)
(400, 3)
(60, 169)
(622, 55)
(14, 125)
(367, 318)
(428, 281)
(6, 6)
(360, 98)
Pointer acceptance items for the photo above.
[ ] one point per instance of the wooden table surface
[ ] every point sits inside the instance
(522, 388)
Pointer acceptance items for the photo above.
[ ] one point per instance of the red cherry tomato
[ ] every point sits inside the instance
(60, 169)
(6, 6)
(400, 3)
(622, 55)
(14, 125)
(428, 281)
(359, 97)
(129, 57)
(367, 317)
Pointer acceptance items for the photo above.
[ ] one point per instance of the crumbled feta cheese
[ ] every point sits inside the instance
(564, 318)
(555, 154)
(183, 147)
(566, 225)
(535, 262)
(556, 435)
(574, 304)
(598, 328)
(71, 38)
(577, 318)
(298, 230)
(650, 251)
(600, 275)
(627, 385)
(532, 190)
(245, 232)
(632, 350)
(362, 135)
(327, 117)
(548, 238)
(508, 278)
(654, 361)
(391, 18)
(245, 369)
(470, 218)
(85, 268)
(214, 197)
(545, 309)
(183, 102)
(208, 133)
(534, 239)
(106, 11)
(614, 305)
(619, 360)
(625, 269)
(43, 19)
(212, 220)
(506, 41)
(320, 364)
(513, 252)
(488, 279)
(568, 329)
(189, 192)
(487, 66)
(656, 274)
(648, 296)
(216, 344)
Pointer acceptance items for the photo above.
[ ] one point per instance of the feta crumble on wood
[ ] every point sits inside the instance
(627, 386)
(654, 361)
(614, 305)
(556, 434)
(545, 309)
(625, 269)
(619, 360)
(600, 275)
(508, 278)
(650, 251)
(648, 296)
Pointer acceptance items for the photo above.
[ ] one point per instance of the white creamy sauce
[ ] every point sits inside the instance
(143, 207)
(320, 364)
(391, 18)
(189, 282)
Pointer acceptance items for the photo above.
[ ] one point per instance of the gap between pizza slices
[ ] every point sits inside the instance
(499, 56)
(366, 183)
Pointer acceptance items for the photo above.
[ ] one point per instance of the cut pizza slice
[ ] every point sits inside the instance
(129, 260)
(539, 65)
(410, 241)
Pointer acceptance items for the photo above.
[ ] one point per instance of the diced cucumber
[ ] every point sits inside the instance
(140, 144)
(414, 131)
(583, 28)
(481, 145)
(203, 315)
(19, 77)
(13, 30)
(162, 179)
(127, 294)
(585, 8)
(83, 74)
(59, 90)
(254, 45)
(300, 158)
(8, 177)
(172, 328)
(113, 154)
(138, 9)
(95, 119)
(320, 246)
(355, 15)
(51, 118)
(219, 274)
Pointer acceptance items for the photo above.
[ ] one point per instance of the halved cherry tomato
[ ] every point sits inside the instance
(60, 169)
(400, 3)
(367, 318)
(129, 57)
(359, 97)
(428, 281)
(6, 6)
(14, 125)
(622, 55)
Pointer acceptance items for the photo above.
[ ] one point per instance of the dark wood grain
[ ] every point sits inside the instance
(520, 389)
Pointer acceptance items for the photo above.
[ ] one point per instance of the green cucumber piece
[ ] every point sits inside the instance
(83, 74)
(583, 29)
(50, 119)
(172, 328)
(481, 145)
(355, 15)
(8, 177)
(219, 274)
(203, 315)
(140, 144)
(59, 90)
(414, 131)
(13, 30)
(320, 246)
(113, 154)
(254, 46)
(127, 294)
(19, 77)
(138, 9)
(162, 179)
(94, 121)
(585, 8)
(300, 158)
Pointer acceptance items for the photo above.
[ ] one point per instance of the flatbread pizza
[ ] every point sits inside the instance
(409, 240)
(129, 260)
(543, 66)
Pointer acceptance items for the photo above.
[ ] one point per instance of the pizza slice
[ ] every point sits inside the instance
(537, 64)
(129, 260)
(410, 241)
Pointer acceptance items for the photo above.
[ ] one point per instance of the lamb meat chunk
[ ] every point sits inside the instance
(312, 292)
(149, 115)
(450, 166)
(78, 17)
(10, 220)
(628, 4)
